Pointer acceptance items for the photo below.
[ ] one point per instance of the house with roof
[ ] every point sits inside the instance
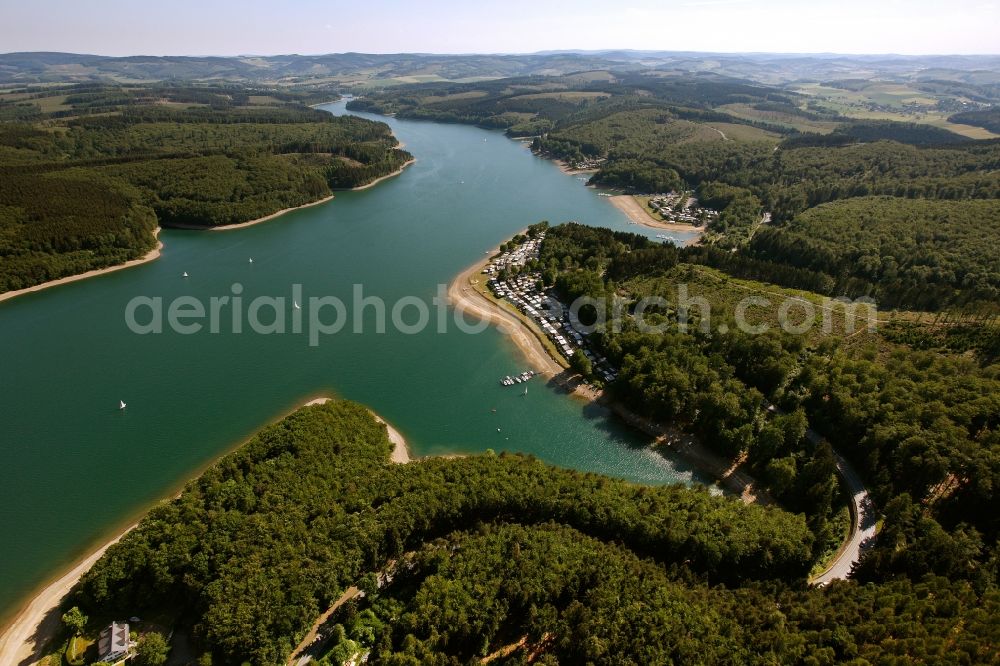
(114, 643)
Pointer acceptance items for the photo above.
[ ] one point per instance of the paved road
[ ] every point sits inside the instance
(863, 521)
(863, 517)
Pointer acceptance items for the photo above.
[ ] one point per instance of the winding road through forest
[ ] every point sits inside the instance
(863, 521)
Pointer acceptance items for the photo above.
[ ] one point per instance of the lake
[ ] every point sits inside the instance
(73, 466)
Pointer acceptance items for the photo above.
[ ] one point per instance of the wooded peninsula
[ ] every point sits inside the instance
(86, 184)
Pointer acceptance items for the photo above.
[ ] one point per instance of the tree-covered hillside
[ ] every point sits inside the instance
(84, 183)
(913, 252)
(747, 148)
(921, 426)
(271, 535)
(501, 557)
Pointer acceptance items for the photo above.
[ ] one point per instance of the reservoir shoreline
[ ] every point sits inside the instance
(36, 621)
(464, 295)
(59, 416)
(149, 256)
(380, 179)
(627, 204)
(155, 252)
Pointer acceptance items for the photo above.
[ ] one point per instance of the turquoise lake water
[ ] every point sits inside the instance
(73, 467)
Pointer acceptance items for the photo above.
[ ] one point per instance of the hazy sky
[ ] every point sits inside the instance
(227, 27)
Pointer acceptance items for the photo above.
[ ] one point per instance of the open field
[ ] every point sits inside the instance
(890, 101)
(744, 132)
(747, 112)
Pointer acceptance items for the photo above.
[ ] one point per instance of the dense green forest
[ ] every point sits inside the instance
(85, 184)
(921, 425)
(253, 550)
(911, 252)
(499, 554)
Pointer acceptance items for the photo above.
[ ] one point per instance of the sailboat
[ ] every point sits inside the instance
(251, 260)
(185, 274)
(296, 305)
(121, 404)
(525, 391)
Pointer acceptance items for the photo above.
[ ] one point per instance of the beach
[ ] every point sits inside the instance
(635, 212)
(149, 256)
(38, 620)
(266, 218)
(464, 294)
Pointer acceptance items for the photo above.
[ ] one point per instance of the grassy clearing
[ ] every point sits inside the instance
(724, 292)
(744, 132)
(747, 112)
(568, 96)
(441, 99)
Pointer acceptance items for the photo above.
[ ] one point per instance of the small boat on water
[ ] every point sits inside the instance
(251, 260)
(185, 274)
(295, 304)
(121, 405)
(518, 379)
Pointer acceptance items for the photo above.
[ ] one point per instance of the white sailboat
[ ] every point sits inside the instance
(121, 404)
(296, 305)
(185, 274)
(525, 391)
(251, 260)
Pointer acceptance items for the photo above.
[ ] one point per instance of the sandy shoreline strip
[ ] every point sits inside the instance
(400, 450)
(155, 253)
(464, 295)
(38, 620)
(259, 220)
(570, 171)
(149, 256)
(379, 180)
(627, 204)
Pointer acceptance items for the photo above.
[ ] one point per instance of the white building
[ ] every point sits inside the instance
(114, 643)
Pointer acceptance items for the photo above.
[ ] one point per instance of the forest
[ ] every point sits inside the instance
(86, 185)
(645, 132)
(499, 557)
(255, 548)
(921, 425)
(914, 253)
(986, 118)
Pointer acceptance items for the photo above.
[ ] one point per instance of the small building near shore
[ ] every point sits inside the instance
(114, 643)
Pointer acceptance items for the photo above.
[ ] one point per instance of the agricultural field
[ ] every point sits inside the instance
(892, 101)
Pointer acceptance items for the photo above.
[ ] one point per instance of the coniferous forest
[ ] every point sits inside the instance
(502, 557)
(85, 187)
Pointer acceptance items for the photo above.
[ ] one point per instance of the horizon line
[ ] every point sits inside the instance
(544, 52)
